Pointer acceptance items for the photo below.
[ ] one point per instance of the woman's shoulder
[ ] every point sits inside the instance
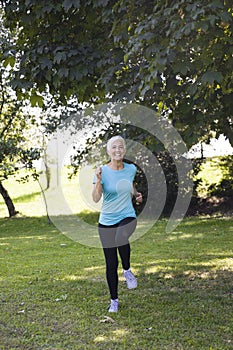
(130, 166)
(104, 168)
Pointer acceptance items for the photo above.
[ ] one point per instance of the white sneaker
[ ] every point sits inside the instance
(114, 306)
(131, 280)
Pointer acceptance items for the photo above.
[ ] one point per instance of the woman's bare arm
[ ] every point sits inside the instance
(97, 189)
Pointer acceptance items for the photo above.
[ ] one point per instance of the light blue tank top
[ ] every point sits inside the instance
(117, 194)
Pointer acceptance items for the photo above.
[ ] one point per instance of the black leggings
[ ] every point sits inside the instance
(113, 238)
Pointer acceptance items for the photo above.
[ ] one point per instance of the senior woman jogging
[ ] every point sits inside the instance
(117, 219)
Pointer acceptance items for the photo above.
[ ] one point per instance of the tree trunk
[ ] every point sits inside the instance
(8, 201)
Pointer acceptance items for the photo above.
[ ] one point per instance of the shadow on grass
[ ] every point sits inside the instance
(89, 217)
(54, 294)
(162, 313)
(21, 226)
(27, 197)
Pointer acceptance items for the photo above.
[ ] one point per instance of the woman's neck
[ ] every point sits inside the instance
(116, 164)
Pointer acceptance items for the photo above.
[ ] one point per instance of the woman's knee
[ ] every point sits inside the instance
(111, 258)
(112, 265)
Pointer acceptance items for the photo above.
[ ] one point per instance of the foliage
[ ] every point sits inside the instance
(172, 55)
(54, 293)
(68, 60)
(14, 120)
(180, 53)
(215, 177)
(15, 150)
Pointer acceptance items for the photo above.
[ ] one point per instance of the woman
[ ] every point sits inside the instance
(117, 219)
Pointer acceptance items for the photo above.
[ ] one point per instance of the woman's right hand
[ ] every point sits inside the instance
(98, 173)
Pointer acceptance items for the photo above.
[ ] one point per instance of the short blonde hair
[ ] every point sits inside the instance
(113, 139)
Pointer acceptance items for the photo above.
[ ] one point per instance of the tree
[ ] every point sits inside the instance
(172, 55)
(179, 56)
(15, 152)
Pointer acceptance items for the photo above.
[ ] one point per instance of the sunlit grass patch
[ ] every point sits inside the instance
(54, 293)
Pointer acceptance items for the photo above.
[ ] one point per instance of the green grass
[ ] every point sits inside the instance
(54, 293)
(29, 201)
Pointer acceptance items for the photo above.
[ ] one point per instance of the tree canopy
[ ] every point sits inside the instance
(15, 149)
(175, 56)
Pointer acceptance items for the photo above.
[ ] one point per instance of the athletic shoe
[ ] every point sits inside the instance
(131, 280)
(114, 306)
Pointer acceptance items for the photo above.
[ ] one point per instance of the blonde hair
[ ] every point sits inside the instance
(113, 139)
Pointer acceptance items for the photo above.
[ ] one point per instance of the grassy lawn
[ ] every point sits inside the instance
(54, 293)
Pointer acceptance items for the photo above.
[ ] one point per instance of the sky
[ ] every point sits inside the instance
(217, 147)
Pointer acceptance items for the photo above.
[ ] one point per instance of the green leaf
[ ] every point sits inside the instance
(126, 57)
(210, 77)
(9, 61)
(216, 4)
(45, 63)
(180, 68)
(63, 72)
(60, 56)
(188, 28)
(67, 4)
(29, 3)
(192, 89)
(203, 25)
(212, 19)
(36, 100)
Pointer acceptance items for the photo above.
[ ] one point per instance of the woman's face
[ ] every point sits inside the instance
(116, 150)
